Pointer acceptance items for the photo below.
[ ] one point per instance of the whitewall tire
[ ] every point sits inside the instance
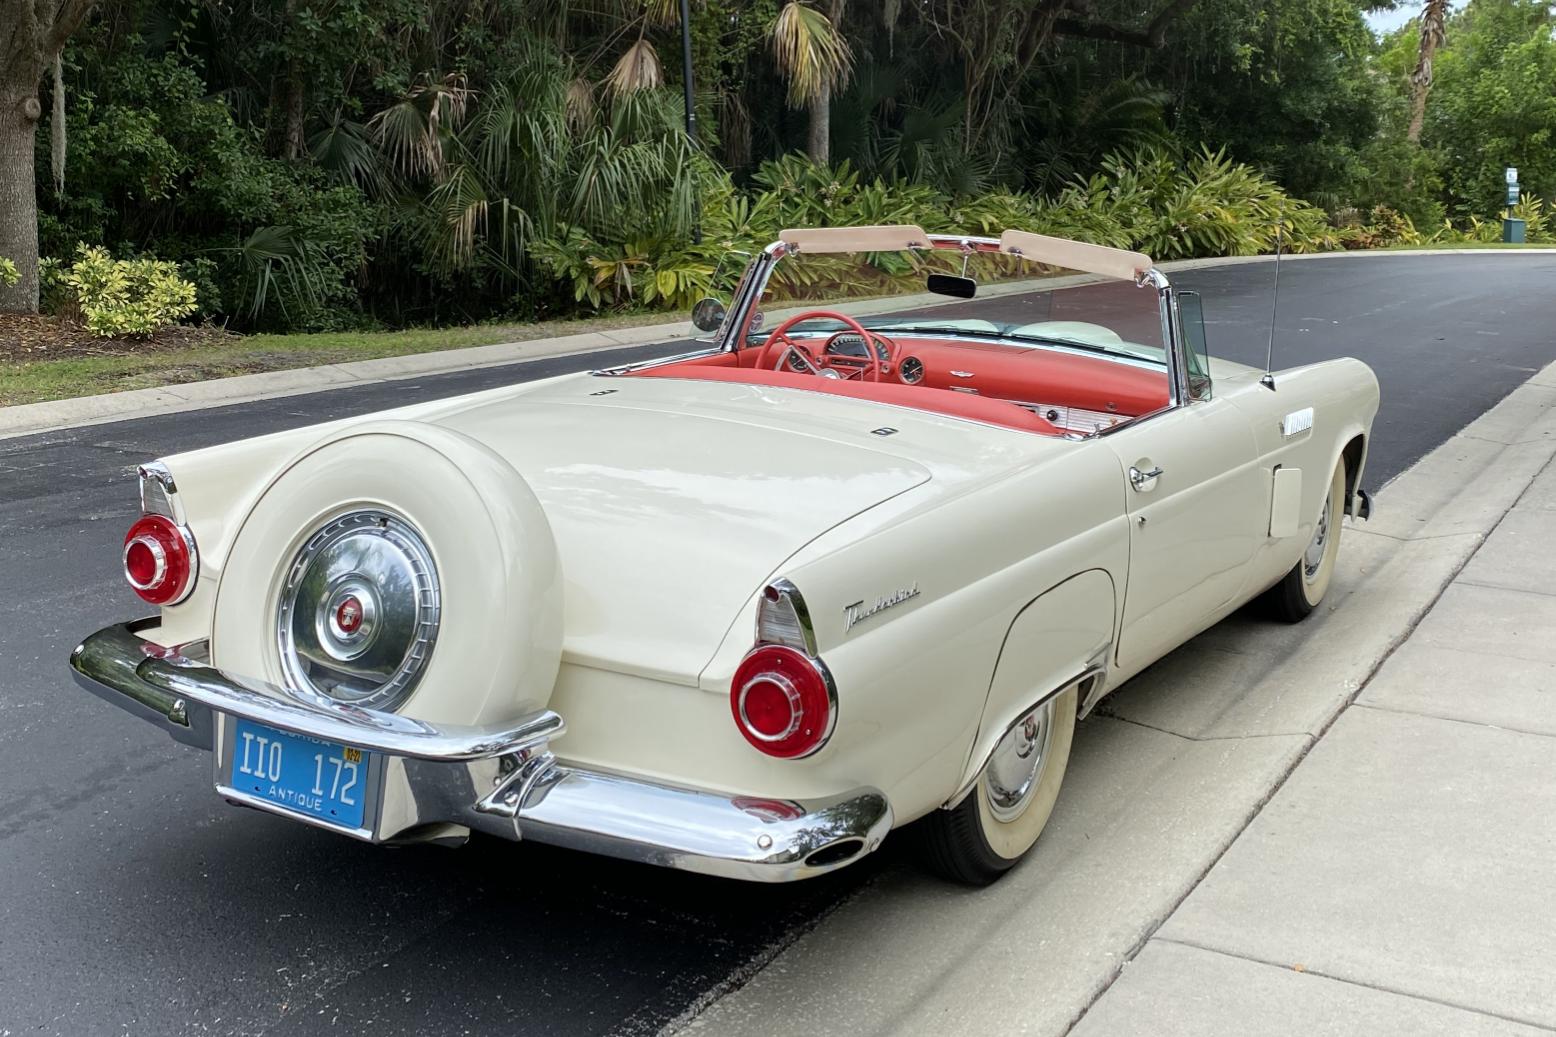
(1000, 819)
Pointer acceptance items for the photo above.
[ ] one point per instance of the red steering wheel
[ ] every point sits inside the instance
(779, 348)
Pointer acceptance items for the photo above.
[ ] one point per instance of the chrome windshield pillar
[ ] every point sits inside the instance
(748, 293)
(1172, 337)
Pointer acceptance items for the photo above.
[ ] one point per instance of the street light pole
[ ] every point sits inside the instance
(686, 68)
(691, 108)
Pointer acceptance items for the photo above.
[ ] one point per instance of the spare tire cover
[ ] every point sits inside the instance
(494, 608)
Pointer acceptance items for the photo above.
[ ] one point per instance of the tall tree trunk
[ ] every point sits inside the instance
(819, 145)
(19, 113)
(294, 113)
(1417, 114)
(34, 32)
(292, 135)
(1434, 17)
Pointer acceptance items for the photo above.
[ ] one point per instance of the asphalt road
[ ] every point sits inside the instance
(133, 901)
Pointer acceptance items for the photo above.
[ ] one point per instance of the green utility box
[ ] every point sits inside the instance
(1513, 231)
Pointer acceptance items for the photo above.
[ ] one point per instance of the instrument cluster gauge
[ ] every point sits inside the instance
(912, 370)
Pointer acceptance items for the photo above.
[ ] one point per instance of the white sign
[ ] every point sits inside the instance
(1512, 174)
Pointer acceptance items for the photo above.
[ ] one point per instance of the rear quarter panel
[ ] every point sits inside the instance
(914, 681)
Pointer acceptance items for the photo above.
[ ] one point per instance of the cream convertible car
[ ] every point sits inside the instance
(743, 611)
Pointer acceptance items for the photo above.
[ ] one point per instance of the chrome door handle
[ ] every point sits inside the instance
(1143, 481)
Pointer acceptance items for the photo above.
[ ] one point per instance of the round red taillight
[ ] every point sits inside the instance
(782, 701)
(159, 560)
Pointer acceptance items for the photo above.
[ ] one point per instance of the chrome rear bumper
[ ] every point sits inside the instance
(439, 782)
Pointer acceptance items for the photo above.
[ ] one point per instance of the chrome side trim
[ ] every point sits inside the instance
(1095, 672)
(645, 364)
(1097, 675)
(120, 667)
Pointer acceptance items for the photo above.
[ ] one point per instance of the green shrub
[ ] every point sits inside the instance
(641, 272)
(54, 295)
(1384, 228)
(9, 275)
(160, 163)
(1153, 199)
(1536, 217)
(129, 298)
(1207, 205)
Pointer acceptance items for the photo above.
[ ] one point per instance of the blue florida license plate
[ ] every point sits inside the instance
(303, 774)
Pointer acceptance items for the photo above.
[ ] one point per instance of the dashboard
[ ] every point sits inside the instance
(850, 346)
(1075, 392)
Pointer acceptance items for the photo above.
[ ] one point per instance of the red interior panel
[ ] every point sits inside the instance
(999, 373)
(961, 405)
(1037, 375)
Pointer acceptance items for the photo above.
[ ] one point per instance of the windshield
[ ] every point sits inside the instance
(1017, 304)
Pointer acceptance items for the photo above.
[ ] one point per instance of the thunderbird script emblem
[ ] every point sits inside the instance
(858, 612)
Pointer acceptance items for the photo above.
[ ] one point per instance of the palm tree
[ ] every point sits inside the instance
(1433, 17)
(535, 156)
(814, 57)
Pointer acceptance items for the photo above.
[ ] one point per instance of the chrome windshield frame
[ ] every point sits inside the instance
(753, 283)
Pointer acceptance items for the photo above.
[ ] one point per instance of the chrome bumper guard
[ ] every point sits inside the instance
(439, 782)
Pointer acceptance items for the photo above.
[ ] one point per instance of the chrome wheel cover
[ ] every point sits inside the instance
(1011, 775)
(359, 610)
(1313, 558)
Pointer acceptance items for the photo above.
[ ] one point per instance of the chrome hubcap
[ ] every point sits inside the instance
(359, 612)
(1011, 776)
(1313, 559)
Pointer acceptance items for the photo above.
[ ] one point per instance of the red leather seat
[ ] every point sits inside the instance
(937, 401)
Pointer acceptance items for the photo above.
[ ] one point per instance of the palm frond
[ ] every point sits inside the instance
(413, 130)
(637, 70)
(662, 14)
(460, 205)
(278, 263)
(811, 53)
(402, 132)
(579, 104)
(345, 151)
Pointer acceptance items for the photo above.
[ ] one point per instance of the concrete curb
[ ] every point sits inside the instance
(57, 415)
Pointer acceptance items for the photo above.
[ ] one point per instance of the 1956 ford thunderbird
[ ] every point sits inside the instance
(747, 610)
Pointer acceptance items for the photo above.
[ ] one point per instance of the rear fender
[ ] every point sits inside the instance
(1062, 636)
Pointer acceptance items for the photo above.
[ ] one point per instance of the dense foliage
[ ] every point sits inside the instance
(127, 298)
(315, 164)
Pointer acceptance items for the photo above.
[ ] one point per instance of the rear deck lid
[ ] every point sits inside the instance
(668, 515)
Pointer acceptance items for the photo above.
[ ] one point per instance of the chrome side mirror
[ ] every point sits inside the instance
(708, 315)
